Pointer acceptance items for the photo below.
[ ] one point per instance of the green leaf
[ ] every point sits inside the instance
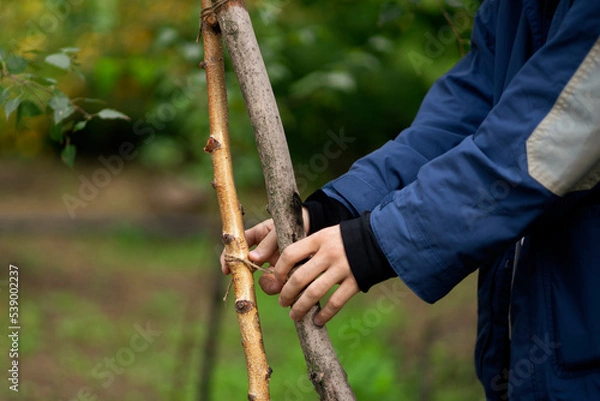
(59, 60)
(68, 155)
(27, 108)
(11, 106)
(43, 80)
(78, 73)
(93, 100)
(2, 54)
(56, 132)
(60, 103)
(4, 94)
(69, 50)
(80, 125)
(16, 64)
(110, 114)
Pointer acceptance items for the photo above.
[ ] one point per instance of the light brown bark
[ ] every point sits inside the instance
(236, 247)
(284, 204)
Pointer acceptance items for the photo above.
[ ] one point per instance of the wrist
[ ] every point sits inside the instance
(365, 257)
(323, 211)
(306, 219)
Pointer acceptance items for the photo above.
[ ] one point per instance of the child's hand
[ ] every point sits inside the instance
(263, 235)
(326, 267)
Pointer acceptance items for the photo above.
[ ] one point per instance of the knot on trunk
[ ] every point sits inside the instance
(243, 306)
(212, 144)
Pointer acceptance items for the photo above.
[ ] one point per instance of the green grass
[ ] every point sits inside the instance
(82, 297)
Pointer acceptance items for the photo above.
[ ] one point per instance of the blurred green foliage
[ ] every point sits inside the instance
(362, 67)
(29, 91)
(80, 309)
(357, 68)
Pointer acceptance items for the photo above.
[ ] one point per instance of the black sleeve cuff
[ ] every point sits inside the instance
(324, 211)
(367, 261)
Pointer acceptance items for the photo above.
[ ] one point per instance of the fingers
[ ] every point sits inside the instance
(265, 250)
(269, 284)
(306, 219)
(257, 233)
(224, 267)
(327, 267)
(313, 293)
(301, 278)
(294, 254)
(336, 301)
(262, 234)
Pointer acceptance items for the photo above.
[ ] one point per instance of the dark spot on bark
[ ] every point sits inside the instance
(243, 306)
(213, 184)
(316, 377)
(227, 238)
(296, 205)
(251, 397)
(269, 372)
(242, 210)
(211, 145)
(230, 27)
(202, 64)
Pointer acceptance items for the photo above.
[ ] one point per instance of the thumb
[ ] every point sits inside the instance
(265, 249)
(269, 284)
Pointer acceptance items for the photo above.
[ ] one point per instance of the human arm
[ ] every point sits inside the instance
(540, 142)
(453, 109)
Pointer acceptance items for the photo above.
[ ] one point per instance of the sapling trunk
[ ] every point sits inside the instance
(324, 369)
(236, 247)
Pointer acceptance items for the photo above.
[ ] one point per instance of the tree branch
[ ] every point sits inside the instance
(324, 369)
(236, 247)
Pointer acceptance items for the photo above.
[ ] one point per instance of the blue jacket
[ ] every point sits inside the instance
(505, 149)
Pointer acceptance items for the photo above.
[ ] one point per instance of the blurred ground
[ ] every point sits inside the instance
(115, 302)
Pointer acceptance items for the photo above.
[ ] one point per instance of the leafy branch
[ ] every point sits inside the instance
(31, 94)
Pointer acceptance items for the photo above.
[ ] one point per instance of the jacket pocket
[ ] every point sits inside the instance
(573, 284)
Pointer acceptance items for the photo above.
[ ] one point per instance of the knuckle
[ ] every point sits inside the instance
(267, 226)
(319, 287)
(313, 292)
(335, 303)
(281, 277)
(287, 255)
(296, 280)
(299, 309)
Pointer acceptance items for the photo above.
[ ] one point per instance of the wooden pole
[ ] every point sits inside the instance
(284, 204)
(236, 248)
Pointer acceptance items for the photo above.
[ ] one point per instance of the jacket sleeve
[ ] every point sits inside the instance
(452, 110)
(540, 142)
